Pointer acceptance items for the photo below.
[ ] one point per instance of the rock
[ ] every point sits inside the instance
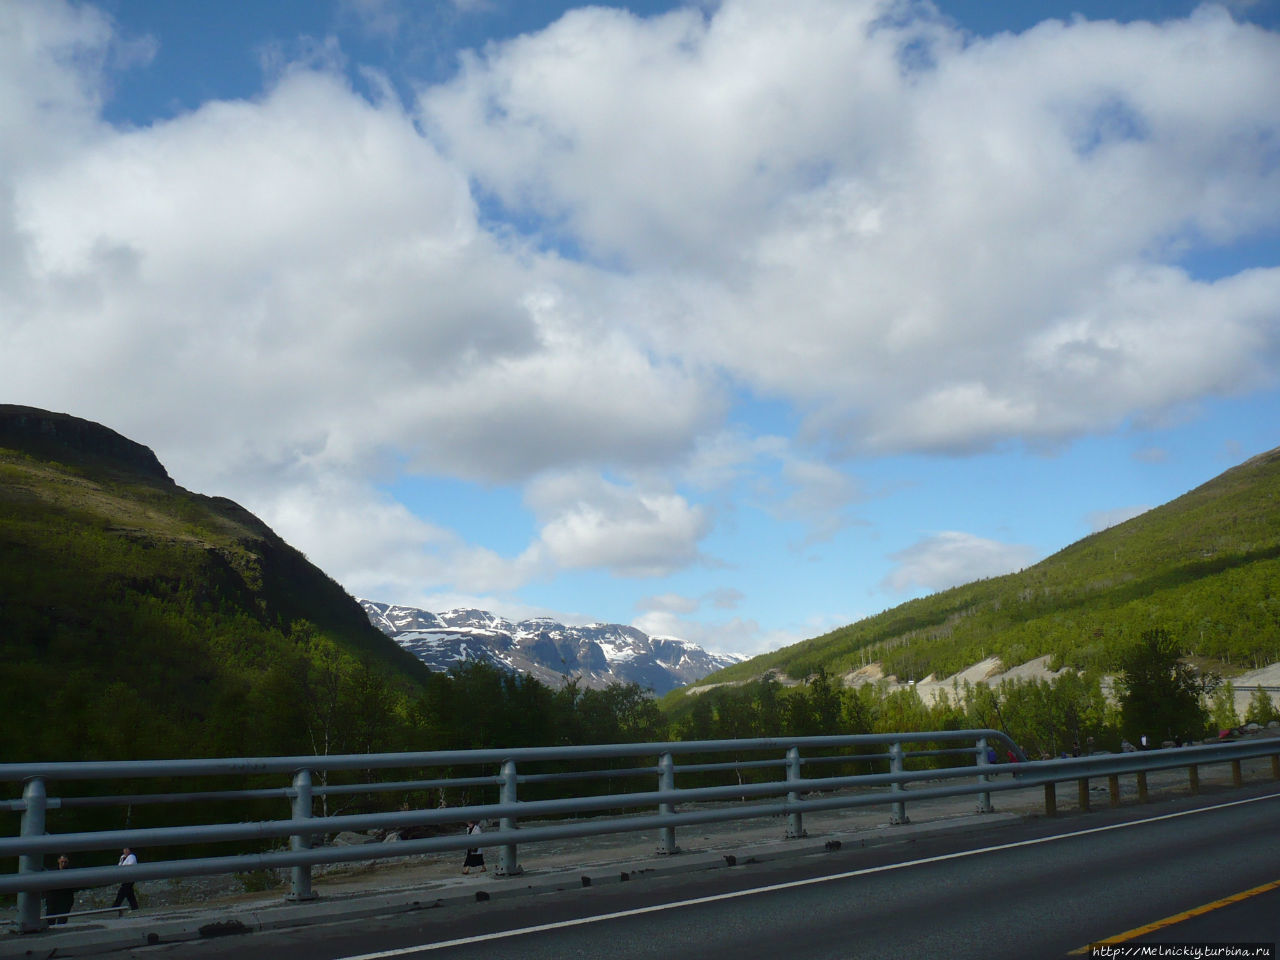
(348, 838)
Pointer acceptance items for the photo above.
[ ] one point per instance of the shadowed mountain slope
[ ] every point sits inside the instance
(139, 619)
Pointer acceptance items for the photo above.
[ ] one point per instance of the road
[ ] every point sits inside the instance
(1041, 888)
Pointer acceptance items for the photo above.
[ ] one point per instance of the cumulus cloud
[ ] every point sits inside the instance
(928, 242)
(384, 550)
(950, 558)
(588, 521)
(309, 255)
(917, 240)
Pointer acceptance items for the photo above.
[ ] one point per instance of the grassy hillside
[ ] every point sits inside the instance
(1205, 567)
(139, 619)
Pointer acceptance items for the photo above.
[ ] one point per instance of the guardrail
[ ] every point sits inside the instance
(742, 800)
(794, 795)
(1050, 773)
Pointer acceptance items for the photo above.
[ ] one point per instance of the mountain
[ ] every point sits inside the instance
(140, 619)
(597, 654)
(1205, 567)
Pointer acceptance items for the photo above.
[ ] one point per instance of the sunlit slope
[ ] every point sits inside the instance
(1206, 567)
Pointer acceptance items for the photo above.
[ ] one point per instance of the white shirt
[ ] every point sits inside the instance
(127, 861)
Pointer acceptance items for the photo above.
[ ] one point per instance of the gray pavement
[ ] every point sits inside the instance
(412, 883)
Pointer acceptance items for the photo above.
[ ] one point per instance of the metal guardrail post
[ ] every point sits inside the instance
(795, 819)
(34, 798)
(899, 814)
(300, 889)
(1082, 794)
(1237, 777)
(984, 799)
(1050, 799)
(1142, 786)
(667, 781)
(1193, 774)
(1113, 788)
(508, 862)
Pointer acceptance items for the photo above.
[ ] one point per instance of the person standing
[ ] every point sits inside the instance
(127, 859)
(58, 903)
(474, 857)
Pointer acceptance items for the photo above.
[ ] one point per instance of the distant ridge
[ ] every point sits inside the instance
(595, 655)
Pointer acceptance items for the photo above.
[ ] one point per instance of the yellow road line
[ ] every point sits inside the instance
(1179, 917)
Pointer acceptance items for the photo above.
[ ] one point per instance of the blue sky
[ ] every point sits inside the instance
(735, 321)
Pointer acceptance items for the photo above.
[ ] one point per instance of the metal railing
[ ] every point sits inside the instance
(797, 792)
(1049, 773)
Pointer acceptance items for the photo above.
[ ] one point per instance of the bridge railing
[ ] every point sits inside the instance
(1081, 770)
(663, 809)
(670, 806)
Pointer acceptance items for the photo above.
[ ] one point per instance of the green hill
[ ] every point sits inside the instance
(1204, 567)
(138, 619)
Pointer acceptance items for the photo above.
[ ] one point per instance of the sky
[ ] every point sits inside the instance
(732, 321)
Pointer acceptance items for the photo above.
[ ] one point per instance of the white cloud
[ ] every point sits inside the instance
(383, 550)
(308, 255)
(915, 241)
(785, 482)
(737, 635)
(934, 257)
(950, 558)
(723, 598)
(590, 522)
(818, 495)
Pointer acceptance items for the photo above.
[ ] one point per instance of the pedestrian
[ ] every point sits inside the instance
(474, 857)
(127, 859)
(58, 903)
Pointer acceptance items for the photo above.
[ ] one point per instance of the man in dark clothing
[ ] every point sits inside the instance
(58, 903)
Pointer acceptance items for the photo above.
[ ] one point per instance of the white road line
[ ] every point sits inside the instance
(789, 885)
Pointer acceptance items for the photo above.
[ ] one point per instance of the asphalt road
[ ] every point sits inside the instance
(1041, 888)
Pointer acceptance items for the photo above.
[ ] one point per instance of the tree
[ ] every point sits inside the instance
(1222, 707)
(1159, 694)
(824, 695)
(1261, 710)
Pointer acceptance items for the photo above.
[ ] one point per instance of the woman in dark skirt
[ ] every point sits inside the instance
(474, 857)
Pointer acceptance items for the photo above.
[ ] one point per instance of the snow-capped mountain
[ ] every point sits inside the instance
(597, 654)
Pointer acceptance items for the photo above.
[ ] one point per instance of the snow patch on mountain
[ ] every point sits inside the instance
(595, 655)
